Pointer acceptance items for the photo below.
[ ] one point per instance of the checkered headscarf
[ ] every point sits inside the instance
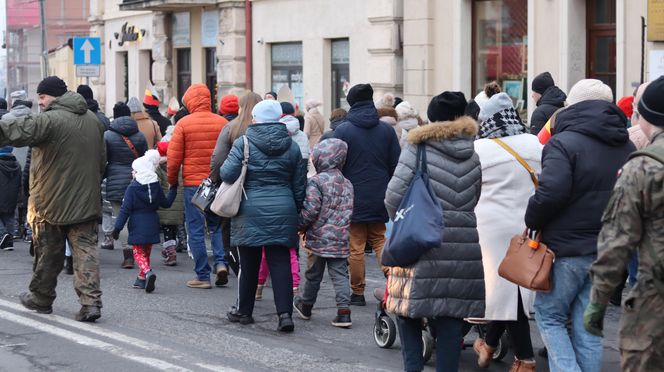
(504, 123)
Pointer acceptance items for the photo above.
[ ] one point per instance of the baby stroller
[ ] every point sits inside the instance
(385, 332)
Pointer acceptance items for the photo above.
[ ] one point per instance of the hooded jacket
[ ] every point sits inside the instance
(10, 183)
(148, 127)
(68, 160)
(314, 123)
(580, 164)
(93, 106)
(120, 156)
(552, 99)
(194, 138)
(16, 112)
(373, 154)
(275, 184)
(328, 206)
(448, 280)
(293, 126)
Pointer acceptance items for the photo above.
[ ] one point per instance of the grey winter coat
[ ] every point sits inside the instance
(120, 156)
(446, 281)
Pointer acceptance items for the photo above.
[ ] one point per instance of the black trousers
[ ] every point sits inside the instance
(170, 232)
(518, 332)
(278, 260)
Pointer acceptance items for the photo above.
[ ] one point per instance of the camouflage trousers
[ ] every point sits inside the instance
(647, 360)
(49, 249)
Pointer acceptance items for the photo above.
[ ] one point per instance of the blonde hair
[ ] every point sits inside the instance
(247, 103)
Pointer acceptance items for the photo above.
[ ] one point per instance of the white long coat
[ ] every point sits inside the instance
(506, 188)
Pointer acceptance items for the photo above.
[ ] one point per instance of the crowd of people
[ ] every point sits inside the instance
(324, 193)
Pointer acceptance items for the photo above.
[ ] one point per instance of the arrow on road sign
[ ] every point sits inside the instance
(87, 48)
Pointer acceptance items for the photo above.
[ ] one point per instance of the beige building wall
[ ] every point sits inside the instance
(61, 63)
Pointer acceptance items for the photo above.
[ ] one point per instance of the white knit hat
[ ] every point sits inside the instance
(268, 111)
(497, 103)
(406, 111)
(589, 89)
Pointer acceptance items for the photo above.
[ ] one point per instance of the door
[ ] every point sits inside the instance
(601, 29)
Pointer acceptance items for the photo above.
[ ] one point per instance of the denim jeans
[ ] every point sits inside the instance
(449, 338)
(633, 268)
(578, 351)
(196, 223)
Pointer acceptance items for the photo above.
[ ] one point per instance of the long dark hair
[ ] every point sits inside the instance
(247, 103)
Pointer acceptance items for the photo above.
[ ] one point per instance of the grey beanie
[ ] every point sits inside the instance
(497, 103)
(134, 105)
(19, 95)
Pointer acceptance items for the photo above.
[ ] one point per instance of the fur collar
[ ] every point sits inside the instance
(464, 126)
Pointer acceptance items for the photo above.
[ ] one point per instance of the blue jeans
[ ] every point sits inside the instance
(449, 338)
(633, 268)
(578, 351)
(196, 223)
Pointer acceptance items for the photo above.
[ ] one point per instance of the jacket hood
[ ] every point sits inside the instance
(363, 114)
(197, 99)
(454, 138)
(20, 111)
(329, 154)
(408, 124)
(336, 122)
(270, 138)
(292, 124)
(553, 96)
(597, 119)
(92, 105)
(70, 101)
(124, 125)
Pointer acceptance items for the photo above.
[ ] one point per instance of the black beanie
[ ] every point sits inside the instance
(52, 86)
(273, 94)
(397, 101)
(287, 108)
(121, 109)
(542, 82)
(472, 110)
(3, 104)
(182, 112)
(447, 106)
(85, 91)
(359, 93)
(651, 105)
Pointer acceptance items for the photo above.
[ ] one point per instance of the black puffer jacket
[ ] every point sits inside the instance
(580, 164)
(94, 107)
(10, 183)
(552, 99)
(119, 156)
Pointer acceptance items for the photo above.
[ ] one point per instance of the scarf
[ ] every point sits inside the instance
(504, 123)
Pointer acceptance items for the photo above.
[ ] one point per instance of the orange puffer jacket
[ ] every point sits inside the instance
(194, 138)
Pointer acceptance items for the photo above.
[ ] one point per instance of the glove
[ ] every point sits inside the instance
(116, 234)
(593, 319)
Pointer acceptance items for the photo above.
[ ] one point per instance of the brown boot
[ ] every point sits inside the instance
(484, 353)
(523, 365)
(128, 262)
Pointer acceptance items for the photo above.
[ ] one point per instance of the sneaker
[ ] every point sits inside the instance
(28, 302)
(484, 353)
(259, 292)
(88, 314)
(222, 276)
(107, 243)
(150, 278)
(7, 243)
(342, 320)
(286, 323)
(139, 283)
(235, 317)
(195, 283)
(304, 310)
(357, 300)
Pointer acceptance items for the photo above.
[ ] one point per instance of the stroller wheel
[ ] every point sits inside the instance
(427, 343)
(385, 331)
(502, 349)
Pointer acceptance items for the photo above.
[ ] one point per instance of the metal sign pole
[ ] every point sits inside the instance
(44, 44)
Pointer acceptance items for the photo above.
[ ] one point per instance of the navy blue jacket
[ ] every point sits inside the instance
(580, 164)
(10, 183)
(140, 206)
(373, 154)
(275, 185)
(119, 157)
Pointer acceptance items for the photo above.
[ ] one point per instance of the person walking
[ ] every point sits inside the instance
(325, 221)
(143, 198)
(373, 154)
(579, 166)
(151, 103)
(68, 161)
(506, 187)
(10, 184)
(229, 107)
(93, 105)
(314, 122)
(146, 125)
(456, 266)
(549, 99)
(336, 118)
(190, 148)
(636, 135)
(172, 217)
(268, 217)
(124, 144)
(409, 119)
(632, 224)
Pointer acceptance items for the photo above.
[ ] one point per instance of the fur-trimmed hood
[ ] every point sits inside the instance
(454, 138)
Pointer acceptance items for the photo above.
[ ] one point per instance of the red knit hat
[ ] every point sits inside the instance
(626, 105)
(229, 105)
(162, 147)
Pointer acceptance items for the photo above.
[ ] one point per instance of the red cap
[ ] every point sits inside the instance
(625, 105)
(229, 105)
(162, 147)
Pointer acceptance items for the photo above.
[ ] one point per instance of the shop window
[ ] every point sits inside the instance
(500, 47)
(211, 74)
(183, 71)
(340, 73)
(287, 69)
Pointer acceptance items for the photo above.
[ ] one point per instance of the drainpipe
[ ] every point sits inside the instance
(248, 45)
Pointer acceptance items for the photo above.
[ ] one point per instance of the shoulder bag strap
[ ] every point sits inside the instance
(131, 146)
(533, 174)
(246, 149)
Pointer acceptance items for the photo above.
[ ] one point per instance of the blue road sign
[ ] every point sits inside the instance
(87, 51)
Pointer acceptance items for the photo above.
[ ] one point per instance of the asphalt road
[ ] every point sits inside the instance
(181, 329)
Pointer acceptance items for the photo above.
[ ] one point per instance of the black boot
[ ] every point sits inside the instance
(286, 323)
(69, 265)
(7, 242)
(128, 262)
(88, 314)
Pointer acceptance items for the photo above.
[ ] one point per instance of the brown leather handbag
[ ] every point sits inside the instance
(528, 263)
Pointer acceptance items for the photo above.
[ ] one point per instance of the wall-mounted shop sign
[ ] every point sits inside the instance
(129, 34)
(181, 35)
(210, 29)
(655, 20)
